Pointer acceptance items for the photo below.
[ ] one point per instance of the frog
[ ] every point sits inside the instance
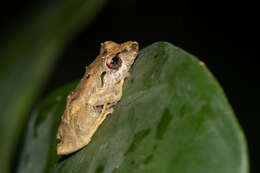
(99, 90)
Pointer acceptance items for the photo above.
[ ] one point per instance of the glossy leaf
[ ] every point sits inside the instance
(173, 117)
(26, 60)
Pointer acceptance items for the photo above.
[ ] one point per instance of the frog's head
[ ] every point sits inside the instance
(118, 58)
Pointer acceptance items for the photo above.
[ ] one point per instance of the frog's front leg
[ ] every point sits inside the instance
(110, 96)
(106, 109)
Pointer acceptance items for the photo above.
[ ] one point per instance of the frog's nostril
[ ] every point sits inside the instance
(134, 46)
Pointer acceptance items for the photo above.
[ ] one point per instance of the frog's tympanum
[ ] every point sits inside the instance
(96, 94)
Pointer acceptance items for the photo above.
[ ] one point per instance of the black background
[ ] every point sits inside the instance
(221, 33)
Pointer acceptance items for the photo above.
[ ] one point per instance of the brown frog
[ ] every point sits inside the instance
(96, 94)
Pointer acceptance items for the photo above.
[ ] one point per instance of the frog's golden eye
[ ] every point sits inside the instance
(114, 63)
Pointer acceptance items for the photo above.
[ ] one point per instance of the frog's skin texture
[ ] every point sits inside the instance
(96, 94)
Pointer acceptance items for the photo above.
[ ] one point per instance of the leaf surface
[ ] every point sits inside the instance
(173, 117)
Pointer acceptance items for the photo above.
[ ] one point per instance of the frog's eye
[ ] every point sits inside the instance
(114, 63)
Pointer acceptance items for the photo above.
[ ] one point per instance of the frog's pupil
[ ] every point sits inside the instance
(115, 60)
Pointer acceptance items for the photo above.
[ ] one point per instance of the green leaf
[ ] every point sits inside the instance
(173, 117)
(26, 60)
